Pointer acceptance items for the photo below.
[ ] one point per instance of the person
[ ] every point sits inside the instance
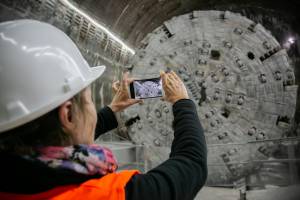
(48, 124)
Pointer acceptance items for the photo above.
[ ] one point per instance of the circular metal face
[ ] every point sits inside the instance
(239, 78)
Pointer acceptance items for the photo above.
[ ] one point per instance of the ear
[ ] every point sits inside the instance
(66, 116)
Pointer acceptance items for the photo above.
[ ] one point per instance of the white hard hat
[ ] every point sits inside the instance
(40, 68)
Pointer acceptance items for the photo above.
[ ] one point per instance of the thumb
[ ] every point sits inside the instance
(134, 101)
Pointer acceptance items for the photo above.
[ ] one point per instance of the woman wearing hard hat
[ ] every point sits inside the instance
(48, 123)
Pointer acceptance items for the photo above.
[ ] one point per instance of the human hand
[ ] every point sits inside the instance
(121, 98)
(173, 87)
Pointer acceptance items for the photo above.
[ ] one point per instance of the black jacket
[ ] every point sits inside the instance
(180, 177)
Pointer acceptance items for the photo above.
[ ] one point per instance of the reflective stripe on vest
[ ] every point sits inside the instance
(109, 187)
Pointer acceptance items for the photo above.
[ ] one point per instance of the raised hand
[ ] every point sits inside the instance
(122, 98)
(173, 87)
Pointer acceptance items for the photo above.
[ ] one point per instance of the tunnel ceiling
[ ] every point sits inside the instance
(133, 19)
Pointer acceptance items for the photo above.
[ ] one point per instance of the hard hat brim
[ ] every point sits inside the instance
(95, 72)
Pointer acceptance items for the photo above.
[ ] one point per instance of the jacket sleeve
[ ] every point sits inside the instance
(185, 172)
(106, 121)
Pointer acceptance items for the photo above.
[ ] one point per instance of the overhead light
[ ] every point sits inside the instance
(110, 34)
(291, 40)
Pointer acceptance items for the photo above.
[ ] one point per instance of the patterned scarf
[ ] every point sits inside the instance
(84, 159)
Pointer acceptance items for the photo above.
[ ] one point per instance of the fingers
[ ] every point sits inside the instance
(175, 76)
(172, 77)
(125, 75)
(116, 86)
(164, 83)
(162, 73)
(163, 78)
(130, 80)
(134, 101)
(124, 80)
(172, 82)
(141, 102)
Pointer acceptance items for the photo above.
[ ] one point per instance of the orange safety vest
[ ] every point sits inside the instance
(109, 187)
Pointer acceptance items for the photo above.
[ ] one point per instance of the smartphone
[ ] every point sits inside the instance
(146, 88)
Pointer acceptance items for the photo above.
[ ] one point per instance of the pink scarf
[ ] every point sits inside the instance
(84, 159)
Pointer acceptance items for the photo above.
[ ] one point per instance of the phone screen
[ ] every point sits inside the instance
(146, 88)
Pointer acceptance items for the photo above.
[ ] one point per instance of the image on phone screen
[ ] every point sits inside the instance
(146, 88)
